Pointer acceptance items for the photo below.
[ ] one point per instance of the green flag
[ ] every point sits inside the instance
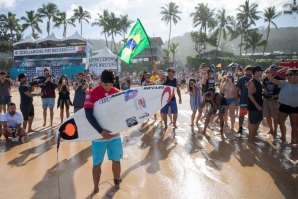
(136, 43)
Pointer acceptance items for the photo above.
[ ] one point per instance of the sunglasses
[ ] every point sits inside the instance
(147, 77)
(290, 74)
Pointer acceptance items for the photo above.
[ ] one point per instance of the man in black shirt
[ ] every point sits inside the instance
(26, 105)
(170, 81)
(255, 102)
(270, 104)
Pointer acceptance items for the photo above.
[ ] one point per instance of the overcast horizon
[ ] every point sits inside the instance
(148, 11)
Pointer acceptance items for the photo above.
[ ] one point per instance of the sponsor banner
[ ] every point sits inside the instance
(47, 51)
(97, 65)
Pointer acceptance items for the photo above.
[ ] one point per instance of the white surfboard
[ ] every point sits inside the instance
(118, 112)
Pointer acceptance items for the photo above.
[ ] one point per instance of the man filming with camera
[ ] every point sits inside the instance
(80, 88)
(48, 96)
(5, 91)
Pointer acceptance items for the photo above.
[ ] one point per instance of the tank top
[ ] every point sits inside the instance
(257, 95)
(173, 83)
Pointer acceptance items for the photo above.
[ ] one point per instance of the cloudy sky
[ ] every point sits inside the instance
(148, 11)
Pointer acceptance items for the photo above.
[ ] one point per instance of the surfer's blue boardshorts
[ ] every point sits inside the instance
(173, 105)
(113, 147)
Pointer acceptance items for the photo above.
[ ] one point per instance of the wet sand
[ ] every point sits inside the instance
(180, 163)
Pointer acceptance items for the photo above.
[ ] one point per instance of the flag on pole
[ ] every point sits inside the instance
(218, 65)
(136, 43)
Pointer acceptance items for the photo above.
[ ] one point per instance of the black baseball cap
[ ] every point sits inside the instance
(273, 67)
(21, 76)
(257, 69)
(248, 67)
(171, 70)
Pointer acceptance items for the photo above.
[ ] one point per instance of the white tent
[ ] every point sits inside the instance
(49, 39)
(76, 38)
(103, 53)
(27, 40)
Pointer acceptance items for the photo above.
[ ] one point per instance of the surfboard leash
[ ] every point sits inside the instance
(58, 173)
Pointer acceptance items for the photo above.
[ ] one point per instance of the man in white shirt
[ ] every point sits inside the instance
(12, 121)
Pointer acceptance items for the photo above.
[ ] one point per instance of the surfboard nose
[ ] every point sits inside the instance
(69, 130)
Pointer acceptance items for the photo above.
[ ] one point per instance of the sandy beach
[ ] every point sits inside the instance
(180, 163)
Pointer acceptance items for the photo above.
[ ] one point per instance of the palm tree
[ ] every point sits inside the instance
(166, 55)
(223, 24)
(49, 11)
(269, 15)
(253, 40)
(32, 20)
(173, 49)
(114, 28)
(80, 14)
(203, 17)
(125, 23)
(199, 39)
(247, 15)
(239, 28)
(170, 14)
(102, 22)
(13, 27)
(61, 19)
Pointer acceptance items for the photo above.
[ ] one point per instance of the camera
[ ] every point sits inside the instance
(209, 94)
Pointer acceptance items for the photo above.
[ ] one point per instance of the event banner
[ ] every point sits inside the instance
(97, 65)
(47, 51)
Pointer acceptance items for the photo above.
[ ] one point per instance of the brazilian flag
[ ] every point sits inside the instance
(136, 43)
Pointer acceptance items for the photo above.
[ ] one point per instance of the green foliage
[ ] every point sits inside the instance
(5, 64)
(194, 62)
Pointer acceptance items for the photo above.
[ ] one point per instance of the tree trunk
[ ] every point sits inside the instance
(241, 38)
(170, 33)
(268, 31)
(115, 47)
(113, 41)
(218, 42)
(81, 28)
(33, 33)
(64, 31)
(48, 27)
(106, 40)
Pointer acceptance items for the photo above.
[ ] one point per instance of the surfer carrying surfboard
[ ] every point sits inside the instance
(110, 143)
(170, 80)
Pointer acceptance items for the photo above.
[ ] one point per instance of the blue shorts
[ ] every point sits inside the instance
(113, 147)
(173, 105)
(231, 101)
(48, 102)
(5, 100)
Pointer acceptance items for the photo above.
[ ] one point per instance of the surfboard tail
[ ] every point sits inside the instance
(68, 130)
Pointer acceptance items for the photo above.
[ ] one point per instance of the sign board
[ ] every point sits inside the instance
(97, 65)
(48, 51)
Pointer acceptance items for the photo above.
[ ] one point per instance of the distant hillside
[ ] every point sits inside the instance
(281, 39)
